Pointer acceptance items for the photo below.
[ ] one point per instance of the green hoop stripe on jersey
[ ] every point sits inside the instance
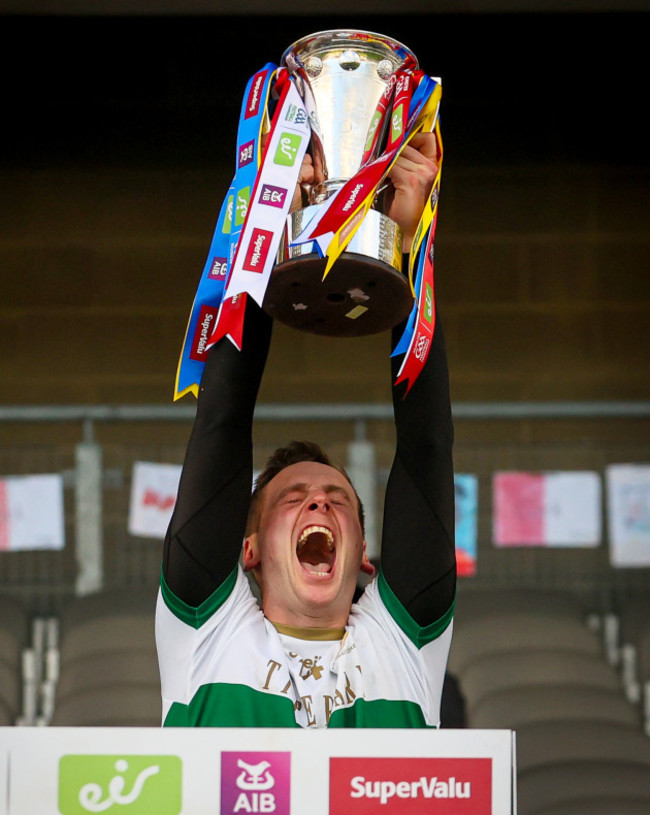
(379, 713)
(419, 636)
(226, 705)
(190, 615)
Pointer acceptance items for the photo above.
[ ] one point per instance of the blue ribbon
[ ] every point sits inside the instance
(223, 247)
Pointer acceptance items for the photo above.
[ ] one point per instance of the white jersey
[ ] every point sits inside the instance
(224, 664)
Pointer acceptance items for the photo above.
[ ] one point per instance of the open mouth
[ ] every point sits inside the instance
(316, 551)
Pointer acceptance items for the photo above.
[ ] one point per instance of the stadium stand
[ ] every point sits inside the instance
(108, 672)
(529, 661)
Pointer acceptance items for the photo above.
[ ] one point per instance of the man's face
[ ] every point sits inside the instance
(309, 546)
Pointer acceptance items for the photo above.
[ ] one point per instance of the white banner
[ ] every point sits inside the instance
(628, 504)
(153, 496)
(31, 512)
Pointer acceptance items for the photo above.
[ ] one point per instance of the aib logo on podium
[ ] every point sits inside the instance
(255, 782)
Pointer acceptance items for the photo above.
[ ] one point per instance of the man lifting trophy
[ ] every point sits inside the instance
(336, 183)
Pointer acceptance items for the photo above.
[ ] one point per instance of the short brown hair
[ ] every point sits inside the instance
(293, 453)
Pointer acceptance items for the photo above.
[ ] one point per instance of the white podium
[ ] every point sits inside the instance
(214, 771)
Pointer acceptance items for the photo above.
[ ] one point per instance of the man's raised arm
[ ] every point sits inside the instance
(206, 531)
(418, 553)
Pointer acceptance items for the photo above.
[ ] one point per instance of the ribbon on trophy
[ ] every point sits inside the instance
(253, 215)
(263, 228)
(251, 219)
(415, 341)
(415, 101)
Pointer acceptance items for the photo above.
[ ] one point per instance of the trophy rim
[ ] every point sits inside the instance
(350, 35)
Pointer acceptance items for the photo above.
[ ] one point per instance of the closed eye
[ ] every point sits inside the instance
(292, 498)
(339, 497)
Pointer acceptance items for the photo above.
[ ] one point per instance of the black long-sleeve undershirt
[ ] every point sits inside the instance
(206, 531)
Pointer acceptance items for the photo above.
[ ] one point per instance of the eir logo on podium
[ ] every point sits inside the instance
(255, 782)
(410, 786)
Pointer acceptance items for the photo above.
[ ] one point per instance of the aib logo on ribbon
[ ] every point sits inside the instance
(129, 785)
(272, 196)
(246, 153)
(287, 149)
(218, 269)
(255, 782)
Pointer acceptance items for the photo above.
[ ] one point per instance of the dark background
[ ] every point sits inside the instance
(159, 90)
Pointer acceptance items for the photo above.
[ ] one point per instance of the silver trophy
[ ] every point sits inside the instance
(342, 75)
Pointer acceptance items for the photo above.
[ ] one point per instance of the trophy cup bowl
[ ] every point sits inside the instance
(365, 292)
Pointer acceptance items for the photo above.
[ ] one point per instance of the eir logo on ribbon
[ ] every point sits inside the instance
(255, 782)
(258, 249)
(410, 786)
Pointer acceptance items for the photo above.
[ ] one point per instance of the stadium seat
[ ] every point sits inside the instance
(513, 707)
(544, 789)
(7, 716)
(100, 670)
(508, 669)
(108, 663)
(594, 806)
(633, 618)
(120, 704)
(518, 631)
(475, 604)
(644, 675)
(556, 741)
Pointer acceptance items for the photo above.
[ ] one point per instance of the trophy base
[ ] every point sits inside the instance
(365, 291)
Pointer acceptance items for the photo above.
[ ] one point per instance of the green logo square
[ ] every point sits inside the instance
(374, 124)
(396, 122)
(227, 223)
(241, 205)
(287, 149)
(428, 303)
(128, 784)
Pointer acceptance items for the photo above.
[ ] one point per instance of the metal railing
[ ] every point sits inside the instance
(90, 478)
